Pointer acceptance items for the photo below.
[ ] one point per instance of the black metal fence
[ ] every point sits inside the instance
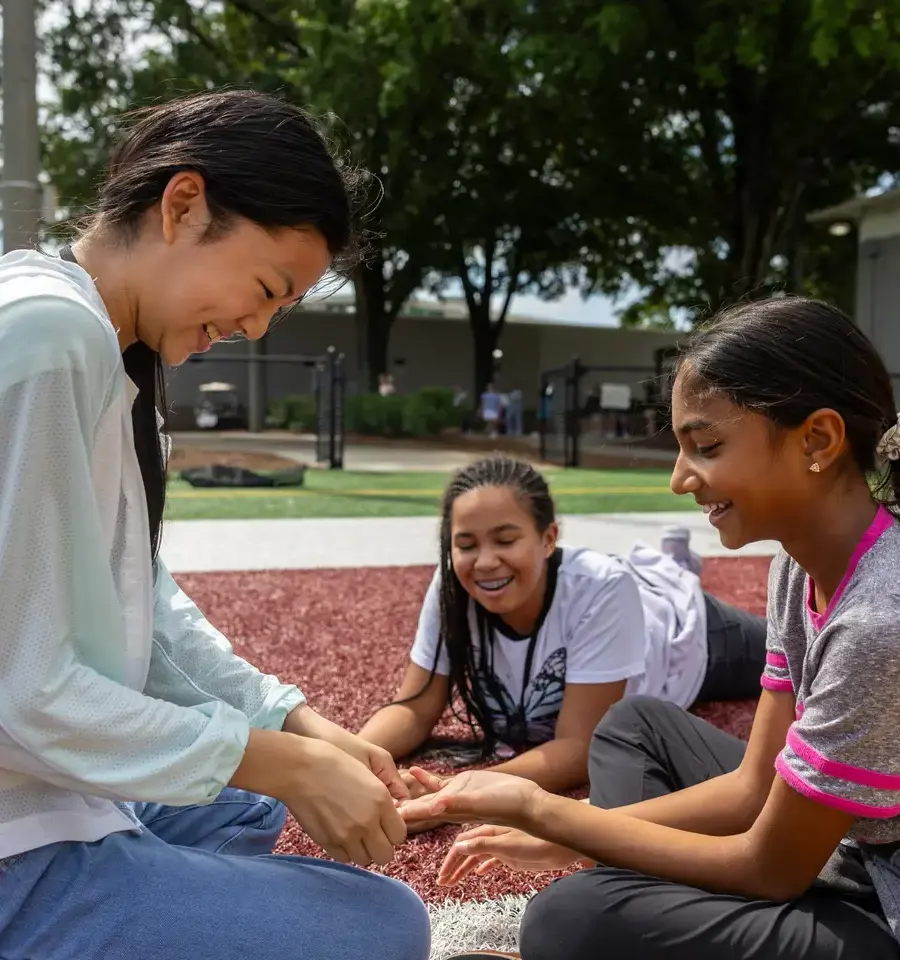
(324, 374)
(330, 392)
(571, 405)
(557, 415)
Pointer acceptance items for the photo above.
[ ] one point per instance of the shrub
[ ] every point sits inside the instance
(430, 411)
(363, 413)
(294, 412)
(422, 414)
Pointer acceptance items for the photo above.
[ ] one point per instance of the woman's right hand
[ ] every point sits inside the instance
(337, 800)
(482, 849)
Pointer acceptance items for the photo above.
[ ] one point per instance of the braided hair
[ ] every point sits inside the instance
(530, 487)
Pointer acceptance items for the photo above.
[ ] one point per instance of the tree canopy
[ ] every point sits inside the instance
(664, 152)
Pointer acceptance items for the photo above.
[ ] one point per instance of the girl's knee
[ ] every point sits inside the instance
(572, 916)
(635, 712)
(402, 920)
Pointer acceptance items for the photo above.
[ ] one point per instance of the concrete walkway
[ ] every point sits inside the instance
(222, 545)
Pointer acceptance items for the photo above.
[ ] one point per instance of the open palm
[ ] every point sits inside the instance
(478, 795)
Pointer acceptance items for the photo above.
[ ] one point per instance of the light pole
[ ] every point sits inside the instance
(19, 188)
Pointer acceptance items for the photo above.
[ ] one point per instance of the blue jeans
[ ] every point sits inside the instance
(200, 883)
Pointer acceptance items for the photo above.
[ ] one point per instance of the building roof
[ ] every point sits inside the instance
(855, 209)
(449, 308)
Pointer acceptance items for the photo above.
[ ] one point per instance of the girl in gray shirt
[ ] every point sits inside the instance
(785, 847)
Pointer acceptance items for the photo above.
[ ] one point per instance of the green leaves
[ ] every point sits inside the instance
(665, 151)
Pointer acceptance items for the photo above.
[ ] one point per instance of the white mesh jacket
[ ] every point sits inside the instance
(113, 685)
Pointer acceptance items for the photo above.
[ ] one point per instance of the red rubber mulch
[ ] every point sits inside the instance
(343, 636)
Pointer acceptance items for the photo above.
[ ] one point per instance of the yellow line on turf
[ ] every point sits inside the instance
(261, 492)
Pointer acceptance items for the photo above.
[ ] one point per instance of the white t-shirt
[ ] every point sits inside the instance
(641, 619)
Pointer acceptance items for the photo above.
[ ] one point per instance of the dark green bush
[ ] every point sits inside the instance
(422, 414)
(430, 411)
(294, 412)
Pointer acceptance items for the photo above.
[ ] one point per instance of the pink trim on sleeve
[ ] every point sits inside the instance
(840, 771)
(776, 660)
(776, 683)
(852, 807)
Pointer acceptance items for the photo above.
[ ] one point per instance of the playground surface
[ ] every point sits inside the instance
(344, 635)
(323, 587)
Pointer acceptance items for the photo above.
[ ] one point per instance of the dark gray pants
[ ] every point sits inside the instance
(737, 652)
(646, 748)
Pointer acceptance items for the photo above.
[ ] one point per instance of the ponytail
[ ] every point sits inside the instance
(148, 415)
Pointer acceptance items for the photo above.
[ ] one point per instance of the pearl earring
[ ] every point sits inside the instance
(815, 468)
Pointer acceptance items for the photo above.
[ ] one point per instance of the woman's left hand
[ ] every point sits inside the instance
(476, 795)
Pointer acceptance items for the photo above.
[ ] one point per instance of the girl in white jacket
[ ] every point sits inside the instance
(143, 764)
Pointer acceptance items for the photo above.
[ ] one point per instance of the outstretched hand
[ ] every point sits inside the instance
(484, 848)
(476, 795)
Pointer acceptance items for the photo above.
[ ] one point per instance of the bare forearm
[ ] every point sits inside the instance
(720, 807)
(305, 722)
(270, 764)
(397, 728)
(720, 864)
(555, 766)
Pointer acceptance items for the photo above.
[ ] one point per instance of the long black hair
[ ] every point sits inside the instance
(787, 357)
(262, 159)
(455, 636)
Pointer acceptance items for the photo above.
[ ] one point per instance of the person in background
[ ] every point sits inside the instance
(514, 414)
(491, 410)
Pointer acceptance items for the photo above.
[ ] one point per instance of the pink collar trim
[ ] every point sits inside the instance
(883, 521)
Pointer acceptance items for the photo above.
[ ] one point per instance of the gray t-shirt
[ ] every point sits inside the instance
(843, 667)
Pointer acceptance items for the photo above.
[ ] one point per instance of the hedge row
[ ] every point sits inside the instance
(423, 414)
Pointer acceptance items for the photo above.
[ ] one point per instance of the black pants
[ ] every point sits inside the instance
(737, 652)
(646, 748)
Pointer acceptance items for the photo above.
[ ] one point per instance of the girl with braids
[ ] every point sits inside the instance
(787, 847)
(142, 763)
(539, 641)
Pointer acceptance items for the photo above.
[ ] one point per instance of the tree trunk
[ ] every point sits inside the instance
(484, 341)
(373, 325)
(377, 341)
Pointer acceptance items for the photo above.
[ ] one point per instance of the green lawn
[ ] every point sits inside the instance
(347, 494)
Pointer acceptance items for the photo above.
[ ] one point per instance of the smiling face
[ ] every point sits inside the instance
(499, 555)
(196, 288)
(752, 478)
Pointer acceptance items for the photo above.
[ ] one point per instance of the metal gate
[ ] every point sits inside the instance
(558, 415)
(325, 379)
(562, 405)
(330, 388)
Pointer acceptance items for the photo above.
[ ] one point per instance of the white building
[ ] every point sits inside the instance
(876, 221)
